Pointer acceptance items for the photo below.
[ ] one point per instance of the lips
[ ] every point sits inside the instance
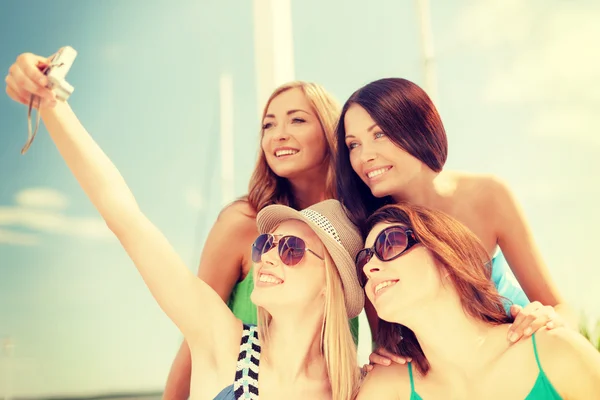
(373, 173)
(269, 279)
(380, 286)
(285, 151)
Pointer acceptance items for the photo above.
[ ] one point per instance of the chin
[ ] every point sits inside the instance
(380, 190)
(288, 171)
(266, 296)
(383, 311)
(258, 297)
(390, 310)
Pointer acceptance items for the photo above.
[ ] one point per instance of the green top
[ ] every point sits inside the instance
(542, 388)
(239, 301)
(242, 307)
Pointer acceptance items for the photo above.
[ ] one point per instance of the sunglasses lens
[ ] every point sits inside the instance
(362, 258)
(390, 243)
(262, 244)
(291, 250)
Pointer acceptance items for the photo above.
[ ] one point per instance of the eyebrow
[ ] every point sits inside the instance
(368, 130)
(290, 112)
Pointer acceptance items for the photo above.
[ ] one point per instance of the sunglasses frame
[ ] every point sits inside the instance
(279, 243)
(411, 240)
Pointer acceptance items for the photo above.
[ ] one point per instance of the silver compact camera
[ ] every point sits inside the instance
(57, 71)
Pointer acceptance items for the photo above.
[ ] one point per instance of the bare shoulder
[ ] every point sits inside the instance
(564, 344)
(239, 218)
(488, 195)
(227, 246)
(479, 186)
(569, 360)
(239, 211)
(391, 382)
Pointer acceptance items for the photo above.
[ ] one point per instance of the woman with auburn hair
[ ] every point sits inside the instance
(392, 147)
(306, 287)
(429, 279)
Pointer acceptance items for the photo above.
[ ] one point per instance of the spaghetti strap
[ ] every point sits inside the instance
(537, 360)
(410, 375)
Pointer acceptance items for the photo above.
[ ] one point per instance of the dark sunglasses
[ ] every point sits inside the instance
(390, 244)
(291, 249)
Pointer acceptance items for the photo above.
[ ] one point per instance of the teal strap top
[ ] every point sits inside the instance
(542, 388)
(413, 394)
(506, 283)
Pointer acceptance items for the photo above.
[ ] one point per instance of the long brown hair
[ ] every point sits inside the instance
(265, 186)
(463, 258)
(408, 117)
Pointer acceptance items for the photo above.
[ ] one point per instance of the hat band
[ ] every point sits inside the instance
(322, 222)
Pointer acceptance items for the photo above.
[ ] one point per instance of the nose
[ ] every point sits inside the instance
(271, 257)
(367, 153)
(372, 267)
(280, 133)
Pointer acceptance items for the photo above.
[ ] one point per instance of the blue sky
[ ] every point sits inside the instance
(518, 90)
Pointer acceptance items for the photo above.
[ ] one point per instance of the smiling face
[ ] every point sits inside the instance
(301, 286)
(293, 140)
(404, 285)
(381, 164)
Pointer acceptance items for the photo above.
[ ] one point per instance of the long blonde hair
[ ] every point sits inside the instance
(265, 187)
(337, 345)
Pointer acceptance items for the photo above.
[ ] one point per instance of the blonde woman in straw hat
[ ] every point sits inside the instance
(306, 287)
(301, 115)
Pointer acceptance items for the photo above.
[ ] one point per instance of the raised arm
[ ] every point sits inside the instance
(190, 303)
(226, 251)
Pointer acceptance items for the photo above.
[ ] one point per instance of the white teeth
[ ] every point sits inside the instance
(269, 279)
(377, 172)
(280, 153)
(384, 285)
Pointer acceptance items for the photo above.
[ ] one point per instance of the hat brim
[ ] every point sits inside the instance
(272, 216)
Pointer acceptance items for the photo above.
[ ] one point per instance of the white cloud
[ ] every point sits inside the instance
(42, 198)
(17, 238)
(550, 61)
(42, 211)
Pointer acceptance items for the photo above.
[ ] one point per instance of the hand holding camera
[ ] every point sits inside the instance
(39, 82)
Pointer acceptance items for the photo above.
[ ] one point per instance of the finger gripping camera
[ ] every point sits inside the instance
(56, 71)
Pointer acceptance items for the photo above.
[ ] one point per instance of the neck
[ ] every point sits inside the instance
(309, 188)
(295, 352)
(421, 190)
(464, 344)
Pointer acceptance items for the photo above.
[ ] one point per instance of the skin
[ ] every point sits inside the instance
(290, 122)
(482, 203)
(212, 332)
(480, 361)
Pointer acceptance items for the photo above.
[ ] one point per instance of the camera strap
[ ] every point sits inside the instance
(30, 134)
